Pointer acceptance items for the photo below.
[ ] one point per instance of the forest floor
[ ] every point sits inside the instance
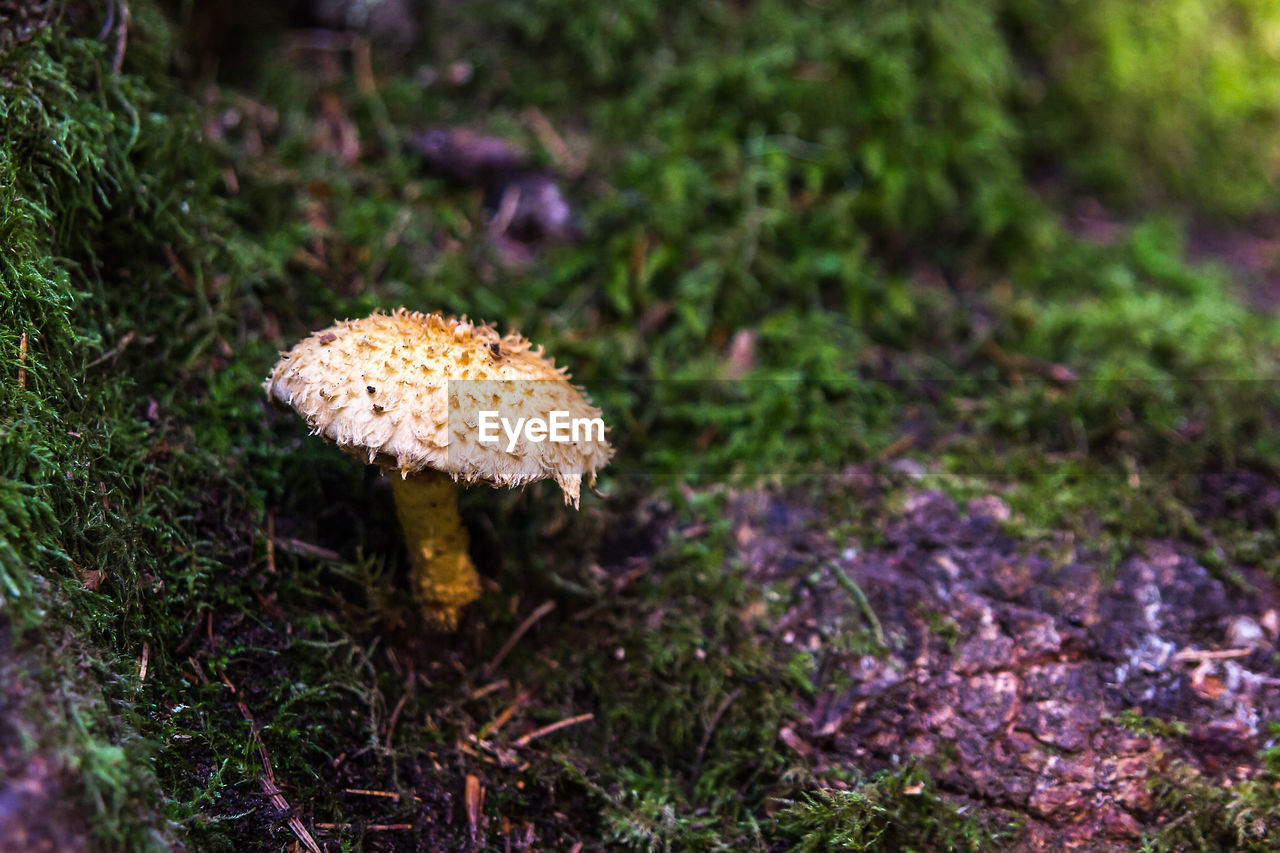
(946, 505)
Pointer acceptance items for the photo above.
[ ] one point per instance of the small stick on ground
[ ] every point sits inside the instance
(191, 636)
(519, 632)
(1203, 655)
(553, 142)
(395, 713)
(178, 269)
(269, 786)
(861, 598)
(503, 718)
(506, 211)
(372, 827)
(366, 792)
(897, 446)
(478, 693)
(122, 36)
(711, 728)
(474, 798)
(481, 692)
(22, 363)
(306, 549)
(524, 740)
(114, 352)
(271, 542)
(110, 22)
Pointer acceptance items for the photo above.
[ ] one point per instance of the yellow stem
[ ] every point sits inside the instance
(443, 576)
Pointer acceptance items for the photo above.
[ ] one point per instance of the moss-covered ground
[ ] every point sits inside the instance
(811, 237)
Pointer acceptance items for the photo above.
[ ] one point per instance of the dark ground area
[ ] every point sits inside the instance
(1036, 681)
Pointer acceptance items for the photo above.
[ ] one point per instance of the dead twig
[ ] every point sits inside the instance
(897, 446)
(507, 208)
(122, 36)
(110, 22)
(478, 693)
(711, 728)
(179, 270)
(114, 352)
(371, 827)
(481, 692)
(503, 718)
(191, 636)
(525, 740)
(788, 736)
(494, 753)
(22, 363)
(395, 713)
(306, 549)
(271, 542)
(860, 597)
(269, 786)
(1204, 655)
(474, 797)
(366, 792)
(519, 632)
(273, 610)
(1009, 365)
(564, 159)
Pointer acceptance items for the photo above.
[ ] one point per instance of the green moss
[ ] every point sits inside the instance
(84, 165)
(889, 812)
(1211, 817)
(1159, 103)
(1133, 720)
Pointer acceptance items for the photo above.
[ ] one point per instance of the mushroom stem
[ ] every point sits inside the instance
(443, 576)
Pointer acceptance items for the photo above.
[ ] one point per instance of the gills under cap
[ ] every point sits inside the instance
(404, 390)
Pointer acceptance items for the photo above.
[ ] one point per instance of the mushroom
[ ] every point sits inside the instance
(423, 396)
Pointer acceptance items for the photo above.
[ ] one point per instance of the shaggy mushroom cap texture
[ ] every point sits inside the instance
(404, 390)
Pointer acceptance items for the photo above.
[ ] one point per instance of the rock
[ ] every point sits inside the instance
(1244, 631)
(1008, 674)
(989, 506)
(1059, 723)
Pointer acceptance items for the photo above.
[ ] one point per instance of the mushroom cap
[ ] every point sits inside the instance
(405, 391)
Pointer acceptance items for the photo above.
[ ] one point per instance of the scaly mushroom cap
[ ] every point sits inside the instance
(404, 391)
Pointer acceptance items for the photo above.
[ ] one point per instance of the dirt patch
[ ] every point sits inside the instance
(1037, 681)
(1241, 495)
(1251, 252)
(37, 813)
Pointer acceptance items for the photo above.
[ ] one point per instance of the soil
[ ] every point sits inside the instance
(1039, 681)
(36, 813)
